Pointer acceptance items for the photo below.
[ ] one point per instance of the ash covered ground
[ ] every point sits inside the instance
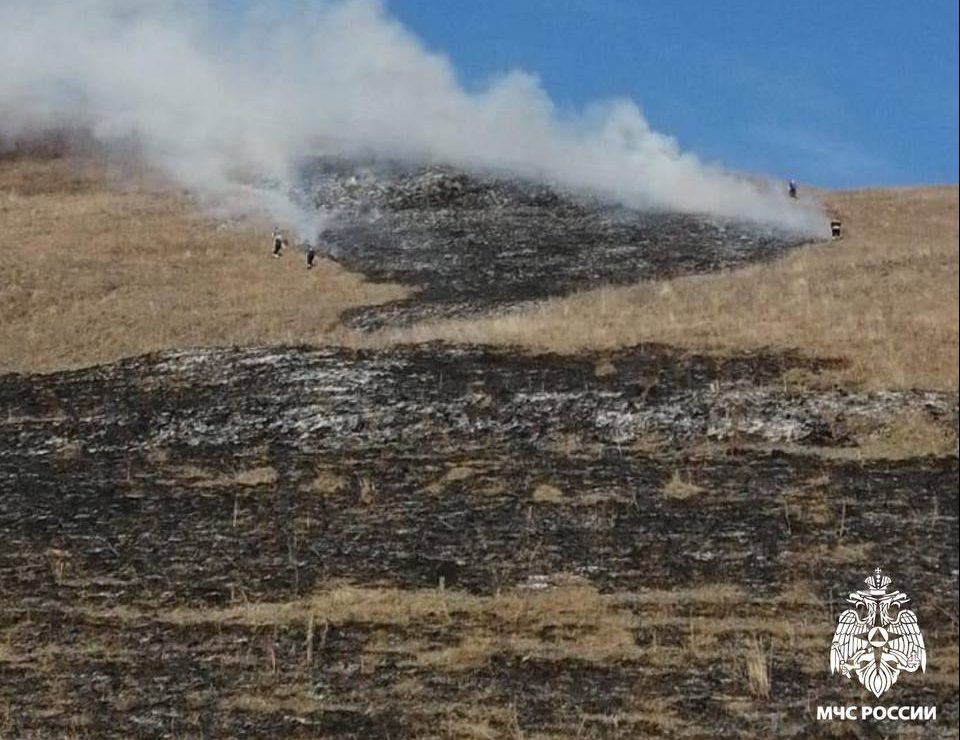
(142, 497)
(457, 541)
(474, 243)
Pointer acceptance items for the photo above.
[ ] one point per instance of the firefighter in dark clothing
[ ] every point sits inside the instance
(278, 241)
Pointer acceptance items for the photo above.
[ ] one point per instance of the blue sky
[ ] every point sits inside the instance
(840, 94)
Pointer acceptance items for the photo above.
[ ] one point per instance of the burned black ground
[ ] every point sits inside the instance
(473, 243)
(189, 481)
(552, 546)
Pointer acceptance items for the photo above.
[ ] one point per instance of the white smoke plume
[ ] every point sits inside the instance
(231, 105)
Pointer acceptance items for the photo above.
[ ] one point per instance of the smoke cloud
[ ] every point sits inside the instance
(231, 106)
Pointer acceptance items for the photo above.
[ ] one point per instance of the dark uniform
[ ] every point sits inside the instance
(277, 242)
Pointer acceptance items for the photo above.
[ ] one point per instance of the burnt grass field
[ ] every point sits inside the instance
(472, 243)
(457, 541)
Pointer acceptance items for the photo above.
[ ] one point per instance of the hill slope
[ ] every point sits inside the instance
(94, 270)
(459, 540)
(884, 298)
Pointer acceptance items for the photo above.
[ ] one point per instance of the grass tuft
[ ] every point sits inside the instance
(679, 487)
(758, 670)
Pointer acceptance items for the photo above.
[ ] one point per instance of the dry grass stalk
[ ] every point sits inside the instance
(309, 640)
(758, 672)
(57, 560)
(368, 491)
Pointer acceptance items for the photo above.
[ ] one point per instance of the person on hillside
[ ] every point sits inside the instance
(792, 188)
(278, 241)
(311, 254)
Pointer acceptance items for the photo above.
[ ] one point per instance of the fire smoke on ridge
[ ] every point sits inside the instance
(220, 109)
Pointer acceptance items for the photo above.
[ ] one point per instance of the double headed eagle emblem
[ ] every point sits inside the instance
(877, 639)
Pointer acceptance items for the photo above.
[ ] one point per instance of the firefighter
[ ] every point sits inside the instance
(311, 254)
(792, 188)
(278, 241)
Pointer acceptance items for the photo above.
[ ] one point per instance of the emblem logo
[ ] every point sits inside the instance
(877, 638)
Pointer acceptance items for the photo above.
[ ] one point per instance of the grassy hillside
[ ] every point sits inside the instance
(460, 541)
(884, 297)
(93, 271)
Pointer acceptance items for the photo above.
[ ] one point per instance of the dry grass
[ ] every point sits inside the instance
(582, 623)
(567, 620)
(262, 476)
(413, 635)
(198, 477)
(454, 474)
(292, 702)
(545, 493)
(910, 434)
(884, 297)
(680, 487)
(325, 482)
(93, 271)
(656, 714)
(368, 491)
(758, 673)
(715, 595)
(481, 723)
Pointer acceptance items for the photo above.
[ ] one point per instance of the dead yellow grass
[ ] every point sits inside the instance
(548, 494)
(570, 619)
(203, 478)
(93, 271)
(454, 474)
(884, 297)
(713, 594)
(290, 701)
(910, 434)
(758, 673)
(261, 476)
(583, 623)
(896, 436)
(679, 487)
(713, 626)
(325, 482)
